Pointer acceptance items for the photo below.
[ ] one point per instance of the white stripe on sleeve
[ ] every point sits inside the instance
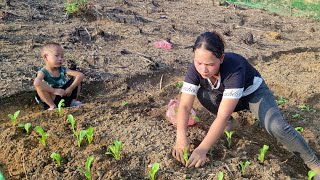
(189, 88)
(233, 93)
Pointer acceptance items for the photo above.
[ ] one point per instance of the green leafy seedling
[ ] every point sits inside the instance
(281, 101)
(229, 136)
(296, 116)
(220, 175)
(124, 103)
(299, 129)
(56, 157)
(263, 152)
(43, 134)
(90, 134)
(80, 136)
(1, 176)
(26, 126)
(306, 108)
(60, 105)
(179, 84)
(115, 149)
(243, 166)
(73, 123)
(73, 6)
(87, 171)
(154, 169)
(14, 117)
(311, 174)
(186, 155)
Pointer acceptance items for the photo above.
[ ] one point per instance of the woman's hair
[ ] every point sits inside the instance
(211, 41)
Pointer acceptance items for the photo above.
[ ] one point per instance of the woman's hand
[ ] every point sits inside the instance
(198, 158)
(181, 145)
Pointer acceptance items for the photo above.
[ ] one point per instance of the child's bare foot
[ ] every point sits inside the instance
(75, 103)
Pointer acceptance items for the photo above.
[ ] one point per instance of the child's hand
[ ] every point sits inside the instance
(59, 92)
(68, 92)
(197, 158)
(178, 149)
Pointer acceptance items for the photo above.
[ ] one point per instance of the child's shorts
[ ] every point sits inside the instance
(67, 100)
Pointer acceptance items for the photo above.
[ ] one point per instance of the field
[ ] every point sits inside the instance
(129, 83)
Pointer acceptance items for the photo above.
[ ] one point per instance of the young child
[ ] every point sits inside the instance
(226, 83)
(51, 82)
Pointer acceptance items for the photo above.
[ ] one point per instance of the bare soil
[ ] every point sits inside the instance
(112, 43)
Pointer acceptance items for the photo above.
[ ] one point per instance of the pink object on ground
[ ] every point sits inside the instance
(173, 109)
(163, 44)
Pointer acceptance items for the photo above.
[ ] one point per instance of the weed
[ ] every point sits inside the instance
(281, 101)
(155, 167)
(74, 6)
(306, 108)
(56, 157)
(124, 103)
(115, 149)
(229, 135)
(13, 117)
(243, 166)
(59, 109)
(297, 116)
(87, 171)
(43, 134)
(263, 151)
(179, 84)
(26, 126)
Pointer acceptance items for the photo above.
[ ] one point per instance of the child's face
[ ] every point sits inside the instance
(54, 57)
(206, 63)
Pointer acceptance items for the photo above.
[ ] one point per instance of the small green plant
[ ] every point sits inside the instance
(87, 171)
(1, 176)
(80, 136)
(306, 108)
(311, 174)
(281, 101)
(90, 134)
(13, 117)
(229, 135)
(296, 116)
(155, 167)
(56, 157)
(179, 84)
(220, 175)
(243, 166)
(263, 152)
(59, 109)
(73, 6)
(115, 149)
(124, 103)
(186, 155)
(299, 129)
(73, 123)
(43, 134)
(26, 126)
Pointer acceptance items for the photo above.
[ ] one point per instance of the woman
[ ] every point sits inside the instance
(226, 83)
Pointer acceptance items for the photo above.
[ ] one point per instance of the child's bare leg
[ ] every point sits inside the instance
(47, 98)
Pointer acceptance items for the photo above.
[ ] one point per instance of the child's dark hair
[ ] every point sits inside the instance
(211, 41)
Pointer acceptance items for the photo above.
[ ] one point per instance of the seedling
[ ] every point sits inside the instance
(56, 157)
(311, 174)
(124, 103)
(263, 152)
(155, 167)
(220, 175)
(296, 116)
(72, 122)
(244, 166)
(179, 84)
(43, 134)
(87, 171)
(13, 117)
(115, 149)
(196, 118)
(229, 135)
(186, 155)
(281, 101)
(80, 136)
(90, 134)
(299, 129)
(60, 105)
(306, 108)
(25, 126)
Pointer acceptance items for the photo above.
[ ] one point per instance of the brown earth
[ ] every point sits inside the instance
(112, 43)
